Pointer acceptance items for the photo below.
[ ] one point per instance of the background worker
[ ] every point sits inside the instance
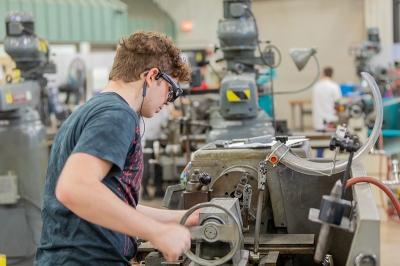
(90, 212)
(325, 94)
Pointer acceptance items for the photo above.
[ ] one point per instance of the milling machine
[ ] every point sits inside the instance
(356, 109)
(264, 199)
(239, 114)
(24, 152)
(363, 55)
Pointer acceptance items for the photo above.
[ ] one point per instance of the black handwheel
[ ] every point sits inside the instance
(212, 232)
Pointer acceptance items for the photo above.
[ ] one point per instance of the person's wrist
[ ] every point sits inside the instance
(156, 230)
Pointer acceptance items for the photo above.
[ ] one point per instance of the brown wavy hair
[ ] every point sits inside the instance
(144, 50)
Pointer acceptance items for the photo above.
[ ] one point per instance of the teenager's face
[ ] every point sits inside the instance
(156, 96)
(163, 93)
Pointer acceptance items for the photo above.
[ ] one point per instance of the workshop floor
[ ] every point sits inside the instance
(390, 236)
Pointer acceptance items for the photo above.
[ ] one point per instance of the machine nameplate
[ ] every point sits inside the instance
(18, 97)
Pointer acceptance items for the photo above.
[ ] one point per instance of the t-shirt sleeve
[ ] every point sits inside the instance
(108, 135)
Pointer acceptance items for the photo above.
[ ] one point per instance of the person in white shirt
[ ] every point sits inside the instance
(325, 94)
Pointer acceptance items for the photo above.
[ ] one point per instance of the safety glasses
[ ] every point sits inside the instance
(176, 90)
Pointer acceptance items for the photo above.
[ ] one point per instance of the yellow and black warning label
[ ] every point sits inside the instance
(3, 260)
(238, 96)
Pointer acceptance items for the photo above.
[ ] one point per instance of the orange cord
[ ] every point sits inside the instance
(379, 184)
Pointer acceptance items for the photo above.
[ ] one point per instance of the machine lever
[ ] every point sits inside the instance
(262, 179)
(247, 193)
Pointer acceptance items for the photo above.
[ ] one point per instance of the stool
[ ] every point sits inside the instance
(303, 111)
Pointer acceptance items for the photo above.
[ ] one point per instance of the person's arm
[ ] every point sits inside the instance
(338, 93)
(168, 215)
(80, 189)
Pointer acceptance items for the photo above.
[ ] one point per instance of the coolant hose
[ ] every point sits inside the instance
(315, 168)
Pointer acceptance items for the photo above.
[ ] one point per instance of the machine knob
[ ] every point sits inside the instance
(282, 139)
(210, 232)
(205, 178)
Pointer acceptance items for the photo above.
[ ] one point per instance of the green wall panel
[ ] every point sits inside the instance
(97, 31)
(14, 5)
(98, 21)
(3, 8)
(120, 25)
(26, 5)
(86, 18)
(64, 33)
(107, 15)
(74, 21)
(52, 20)
(162, 27)
(39, 13)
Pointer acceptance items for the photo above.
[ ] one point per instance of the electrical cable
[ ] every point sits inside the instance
(258, 42)
(19, 259)
(144, 124)
(347, 173)
(32, 203)
(28, 30)
(269, 46)
(306, 88)
(379, 184)
(140, 113)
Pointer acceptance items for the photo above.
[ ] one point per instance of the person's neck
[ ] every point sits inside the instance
(326, 78)
(131, 92)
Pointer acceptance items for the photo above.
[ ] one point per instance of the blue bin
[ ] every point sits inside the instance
(346, 88)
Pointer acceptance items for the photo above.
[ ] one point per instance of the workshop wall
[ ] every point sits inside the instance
(330, 26)
(203, 13)
(146, 15)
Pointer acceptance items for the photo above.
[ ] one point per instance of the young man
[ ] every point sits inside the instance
(90, 212)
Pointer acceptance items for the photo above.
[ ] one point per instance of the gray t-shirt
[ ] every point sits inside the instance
(108, 128)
